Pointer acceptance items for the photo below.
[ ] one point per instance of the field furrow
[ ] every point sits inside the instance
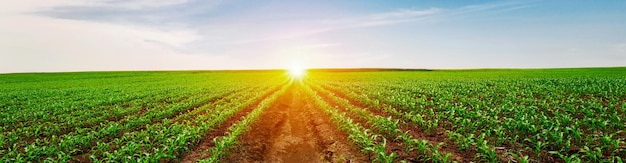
(400, 137)
(220, 129)
(293, 130)
(190, 131)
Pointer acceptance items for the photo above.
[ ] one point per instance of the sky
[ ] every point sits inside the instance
(111, 35)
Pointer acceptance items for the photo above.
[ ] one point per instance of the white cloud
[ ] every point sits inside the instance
(33, 43)
(34, 5)
(23, 6)
(136, 4)
(398, 16)
(314, 27)
(404, 13)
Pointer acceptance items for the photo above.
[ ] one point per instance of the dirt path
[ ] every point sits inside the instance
(292, 130)
(200, 152)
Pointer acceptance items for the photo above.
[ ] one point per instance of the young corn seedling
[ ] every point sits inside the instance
(519, 158)
(381, 156)
(594, 155)
(567, 159)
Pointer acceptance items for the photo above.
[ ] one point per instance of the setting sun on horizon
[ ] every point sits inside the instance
(297, 70)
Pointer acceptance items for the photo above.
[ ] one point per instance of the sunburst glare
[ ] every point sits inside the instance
(297, 71)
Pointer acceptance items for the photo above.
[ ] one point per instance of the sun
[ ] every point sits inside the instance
(297, 71)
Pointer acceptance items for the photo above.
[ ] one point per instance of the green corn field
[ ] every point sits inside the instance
(359, 115)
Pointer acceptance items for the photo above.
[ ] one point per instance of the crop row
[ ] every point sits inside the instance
(543, 119)
(114, 128)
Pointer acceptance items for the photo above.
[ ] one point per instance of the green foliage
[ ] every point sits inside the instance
(531, 111)
(120, 116)
(570, 115)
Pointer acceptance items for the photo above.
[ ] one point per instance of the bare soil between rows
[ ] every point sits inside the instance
(200, 151)
(393, 145)
(293, 130)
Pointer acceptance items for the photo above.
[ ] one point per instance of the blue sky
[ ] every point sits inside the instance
(75, 35)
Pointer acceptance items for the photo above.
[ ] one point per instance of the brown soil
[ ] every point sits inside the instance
(200, 151)
(292, 130)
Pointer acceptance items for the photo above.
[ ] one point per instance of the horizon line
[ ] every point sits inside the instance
(354, 69)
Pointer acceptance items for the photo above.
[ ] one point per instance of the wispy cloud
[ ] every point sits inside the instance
(403, 13)
(395, 17)
(513, 8)
(492, 6)
(165, 15)
(153, 13)
(334, 24)
(134, 4)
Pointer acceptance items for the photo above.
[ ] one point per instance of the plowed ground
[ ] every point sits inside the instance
(293, 130)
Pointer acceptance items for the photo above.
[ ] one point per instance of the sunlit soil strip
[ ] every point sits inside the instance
(226, 142)
(488, 152)
(370, 143)
(181, 136)
(222, 118)
(391, 128)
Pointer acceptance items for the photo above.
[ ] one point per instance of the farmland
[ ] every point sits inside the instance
(499, 115)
